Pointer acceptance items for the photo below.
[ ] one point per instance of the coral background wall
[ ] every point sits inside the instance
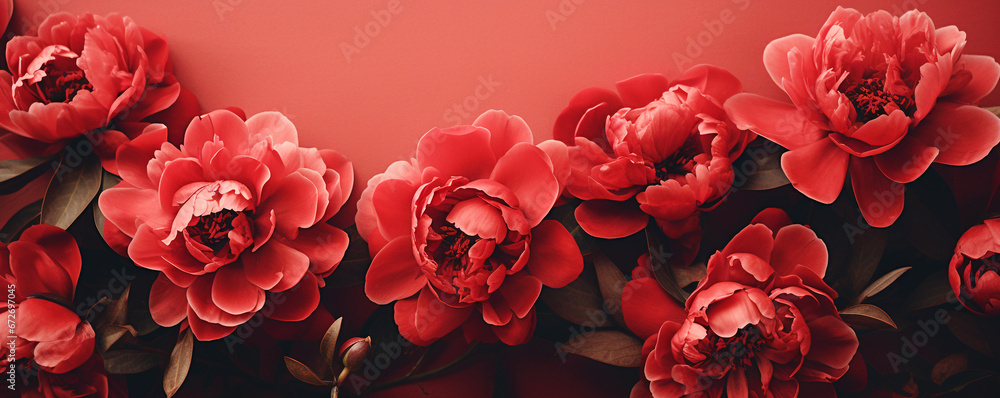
(415, 65)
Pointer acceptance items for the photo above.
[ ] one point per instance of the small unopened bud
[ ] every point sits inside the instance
(354, 351)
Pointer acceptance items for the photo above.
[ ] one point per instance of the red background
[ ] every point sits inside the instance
(288, 55)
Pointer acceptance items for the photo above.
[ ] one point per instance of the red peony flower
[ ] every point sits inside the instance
(877, 97)
(88, 380)
(41, 269)
(659, 149)
(458, 236)
(761, 323)
(974, 271)
(234, 216)
(85, 74)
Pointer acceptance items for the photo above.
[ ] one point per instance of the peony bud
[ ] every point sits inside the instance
(354, 351)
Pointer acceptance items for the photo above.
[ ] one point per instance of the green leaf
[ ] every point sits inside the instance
(933, 291)
(14, 167)
(70, 191)
(24, 218)
(303, 373)
(124, 362)
(179, 364)
(660, 263)
(867, 316)
(328, 346)
(995, 110)
(759, 167)
(966, 329)
(108, 335)
(949, 366)
(866, 253)
(606, 346)
(611, 281)
(930, 216)
(880, 284)
(352, 269)
(579, 302)
(960, 380)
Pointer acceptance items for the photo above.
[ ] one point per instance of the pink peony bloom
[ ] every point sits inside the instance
(658, 149)
(876, 98)
(762, 323)
(83, 75)
(234, 216)
(458, 233)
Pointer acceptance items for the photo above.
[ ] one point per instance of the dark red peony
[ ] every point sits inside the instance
(761, 323)
(41, 270)
(877, 98)
(661, 149)
(233, 217)
(974, 271)
(88, 74)
(458, 235)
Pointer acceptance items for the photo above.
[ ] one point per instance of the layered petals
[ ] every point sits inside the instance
(886, 95)
(103, 77)
(458, 234)
(233, 218)
(666, 153)
(761, 323)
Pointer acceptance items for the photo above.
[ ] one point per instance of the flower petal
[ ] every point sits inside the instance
(965, 134)
(457, 151)
(518, 330)
(520, 291)
(394, 273)
(555, 258)
(646, 306)
(608, 219)
(505, 131)
(777, 121)
(879, 198)
(776, 55)
(640, 90)
(233, 293)
(817, 170)
(434, 319)
(167, 302)
(798, 245)
(297, 303)
(527, 171)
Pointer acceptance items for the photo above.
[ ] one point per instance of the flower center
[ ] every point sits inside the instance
(213, 230)
(982, 266)
(61, 85)
(871, 100)
(453, 248)
(739, 350)
(678, 163)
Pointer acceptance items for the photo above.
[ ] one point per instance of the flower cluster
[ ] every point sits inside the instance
(227, 224)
